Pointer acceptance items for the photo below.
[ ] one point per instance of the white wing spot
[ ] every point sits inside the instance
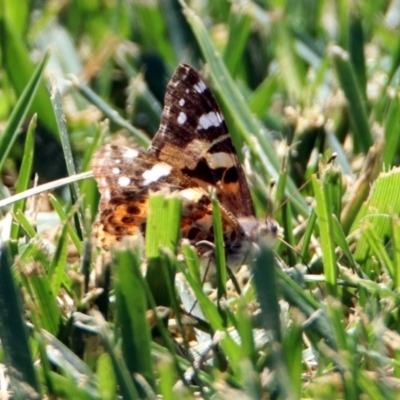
(155, 173)
(182, 102)
(187, 90)
(130, 154)
(220, 160)
(200, 87)
(181, 118)
(191, 194)
(116, 171)
(117, 161)
(123, 181)
(211, 119)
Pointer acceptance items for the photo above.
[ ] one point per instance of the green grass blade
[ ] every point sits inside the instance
(392, 126)
(111, 114)
(124, 379)
(106, 378)
(363, 138)
(162, 231)
(356, 51)
(25, 77)
(66, 218)
(66, 146)
(24, 177)
(239, 24)
(264, 280)
(396, 251)
(71, 365)
(131, 315)
(13, 335)
(20, 111)
(378, 209)
(324, 217)
(25, 224)
(32, 266)
(220, 262)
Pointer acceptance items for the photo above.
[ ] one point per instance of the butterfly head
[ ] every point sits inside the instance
(263, 231)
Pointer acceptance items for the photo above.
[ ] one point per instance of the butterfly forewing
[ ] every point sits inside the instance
(193, 137)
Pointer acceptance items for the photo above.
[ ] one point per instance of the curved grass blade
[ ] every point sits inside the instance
(20, 111)
(18, 64)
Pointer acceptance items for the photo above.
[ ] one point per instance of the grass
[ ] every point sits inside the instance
(296, 82)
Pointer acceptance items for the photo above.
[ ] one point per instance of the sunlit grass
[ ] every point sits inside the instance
(296, 83)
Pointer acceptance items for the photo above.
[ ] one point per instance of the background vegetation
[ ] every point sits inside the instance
(297, 82)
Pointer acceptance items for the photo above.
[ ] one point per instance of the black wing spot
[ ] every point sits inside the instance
(128, 220)
(132, 209)
(231, 176)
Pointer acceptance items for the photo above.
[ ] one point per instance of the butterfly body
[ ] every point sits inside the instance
(191, 152)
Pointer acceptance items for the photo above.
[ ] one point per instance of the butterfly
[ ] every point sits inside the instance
(191, 152)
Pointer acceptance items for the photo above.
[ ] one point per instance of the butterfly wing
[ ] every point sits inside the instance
(193, 137)
(125, 178)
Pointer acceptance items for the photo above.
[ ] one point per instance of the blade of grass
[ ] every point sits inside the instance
(392, 126)
(131, 301)
(124, 379)
(396, 251)
(264, 280)
(66, 218)
(239, 23)
(15, 53)
(20, 111)
(362, 135)
(162, 230)
(25, 224)
(324, 217)
(24, 178)
(111, 114)
(378, 209)
(13, 335)
(220, 262)
(43, 305)
(106, 378)
(72, 366)
(66, 146)
(45, 187)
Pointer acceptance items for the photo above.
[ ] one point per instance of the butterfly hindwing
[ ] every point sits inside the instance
(127, 176)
